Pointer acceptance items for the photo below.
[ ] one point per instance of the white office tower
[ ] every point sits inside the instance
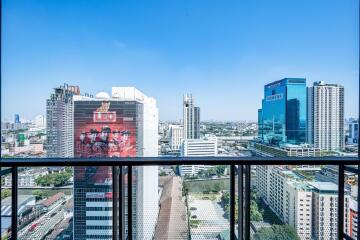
(147, 193)
(325, 199)
(59, 121)
(197, 148)
(176, 135)
(191, 118)
(325, 118)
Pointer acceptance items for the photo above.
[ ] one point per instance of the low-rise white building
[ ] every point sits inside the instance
(26, 178)
(197, 148)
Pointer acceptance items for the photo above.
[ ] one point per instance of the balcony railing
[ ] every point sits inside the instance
(239, 175)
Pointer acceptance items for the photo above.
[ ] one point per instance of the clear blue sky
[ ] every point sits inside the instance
(223, 52)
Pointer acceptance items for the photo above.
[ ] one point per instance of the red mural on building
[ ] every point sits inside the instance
(102, 132)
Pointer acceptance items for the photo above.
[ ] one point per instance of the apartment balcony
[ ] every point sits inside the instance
(88, 197)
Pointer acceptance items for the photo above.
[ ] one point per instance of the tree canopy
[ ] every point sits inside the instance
(277, 232)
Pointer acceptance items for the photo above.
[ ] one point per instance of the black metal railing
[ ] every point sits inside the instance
(238, 165)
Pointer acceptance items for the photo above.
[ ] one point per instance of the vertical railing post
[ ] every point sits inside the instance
(129, 202)
(358, 199)
(341, 196)
(14, 202)
(115, 202)
(247, 203)
(240, 202)
(120, 206)
(232, 202)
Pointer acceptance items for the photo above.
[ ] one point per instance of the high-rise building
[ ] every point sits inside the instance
(197, 148)
(325, 199)
(191, 118)
(353, 137)
(59, 119)
(297, 207)
(351, 216)
(260, 122)
(17, 118)
(309, 207)
(176, 135)
(288, 196)
(325, 124)
(123, 125)
(283, 115)
(196, 122)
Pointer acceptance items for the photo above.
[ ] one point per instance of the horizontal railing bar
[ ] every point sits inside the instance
(5, 171)
(148, 161)
(351, 169)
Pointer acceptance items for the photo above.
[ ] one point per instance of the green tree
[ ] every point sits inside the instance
(59, 179)
(56, 179)
(277, 232)
(185, 189)
(38, 194)
(255, 214)
(220, 170)
(5, 193)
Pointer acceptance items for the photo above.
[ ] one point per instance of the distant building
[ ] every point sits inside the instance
(353, 137)
(282, 118)
(26, 178)
(59, 121)
(17, 118)
(284, 150)
(176, 135)
(40, 121)
(197, 148)
(191, 118)
(325, 124)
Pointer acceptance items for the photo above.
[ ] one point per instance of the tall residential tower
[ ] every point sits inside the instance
(59, 121)
(325, 119)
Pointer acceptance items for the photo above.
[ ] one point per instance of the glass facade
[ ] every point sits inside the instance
(283, 113)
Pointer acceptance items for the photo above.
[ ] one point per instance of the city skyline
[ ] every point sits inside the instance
(221, 46)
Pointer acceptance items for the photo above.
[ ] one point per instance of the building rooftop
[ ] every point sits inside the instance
(171, 224)
(48, 202)
(324, 186)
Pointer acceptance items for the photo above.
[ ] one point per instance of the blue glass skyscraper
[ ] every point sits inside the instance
(282, 118)
(17, 118)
